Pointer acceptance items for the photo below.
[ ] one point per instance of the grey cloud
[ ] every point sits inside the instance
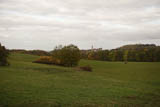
(83, 22)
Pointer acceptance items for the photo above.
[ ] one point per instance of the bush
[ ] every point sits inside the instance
(65, 56)
(68, 56)
(86, 68)
(3, 56)
(44, 60)
(48, 60)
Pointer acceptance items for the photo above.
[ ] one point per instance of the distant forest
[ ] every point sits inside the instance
(134, 53)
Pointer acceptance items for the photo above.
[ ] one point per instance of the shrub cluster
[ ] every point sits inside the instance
(65, 56)
(68, 55)
(3, 56)
(47, 60)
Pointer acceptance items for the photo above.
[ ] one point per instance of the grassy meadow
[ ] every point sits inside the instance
(115, 84)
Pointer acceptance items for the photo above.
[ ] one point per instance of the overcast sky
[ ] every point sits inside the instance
(107, 24)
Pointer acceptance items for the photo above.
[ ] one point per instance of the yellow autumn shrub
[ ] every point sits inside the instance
(48, 60)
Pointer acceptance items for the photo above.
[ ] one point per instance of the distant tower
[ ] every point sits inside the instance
(92, 47)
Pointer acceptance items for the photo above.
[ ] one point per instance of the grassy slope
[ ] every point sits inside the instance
(111, 83)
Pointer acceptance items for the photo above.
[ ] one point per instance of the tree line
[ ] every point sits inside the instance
(137, 53)
(71, 54)
(31, 52)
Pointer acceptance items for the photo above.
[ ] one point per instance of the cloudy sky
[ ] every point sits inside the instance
(43, 24)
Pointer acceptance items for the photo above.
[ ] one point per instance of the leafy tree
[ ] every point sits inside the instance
(119, 55)
(91, 55)
(112, 55)
(125, 57)
(3, 56)
(103, 55)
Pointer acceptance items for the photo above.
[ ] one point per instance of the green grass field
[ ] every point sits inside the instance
(115, 84)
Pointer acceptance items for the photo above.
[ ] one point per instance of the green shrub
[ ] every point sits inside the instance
(68, 55)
